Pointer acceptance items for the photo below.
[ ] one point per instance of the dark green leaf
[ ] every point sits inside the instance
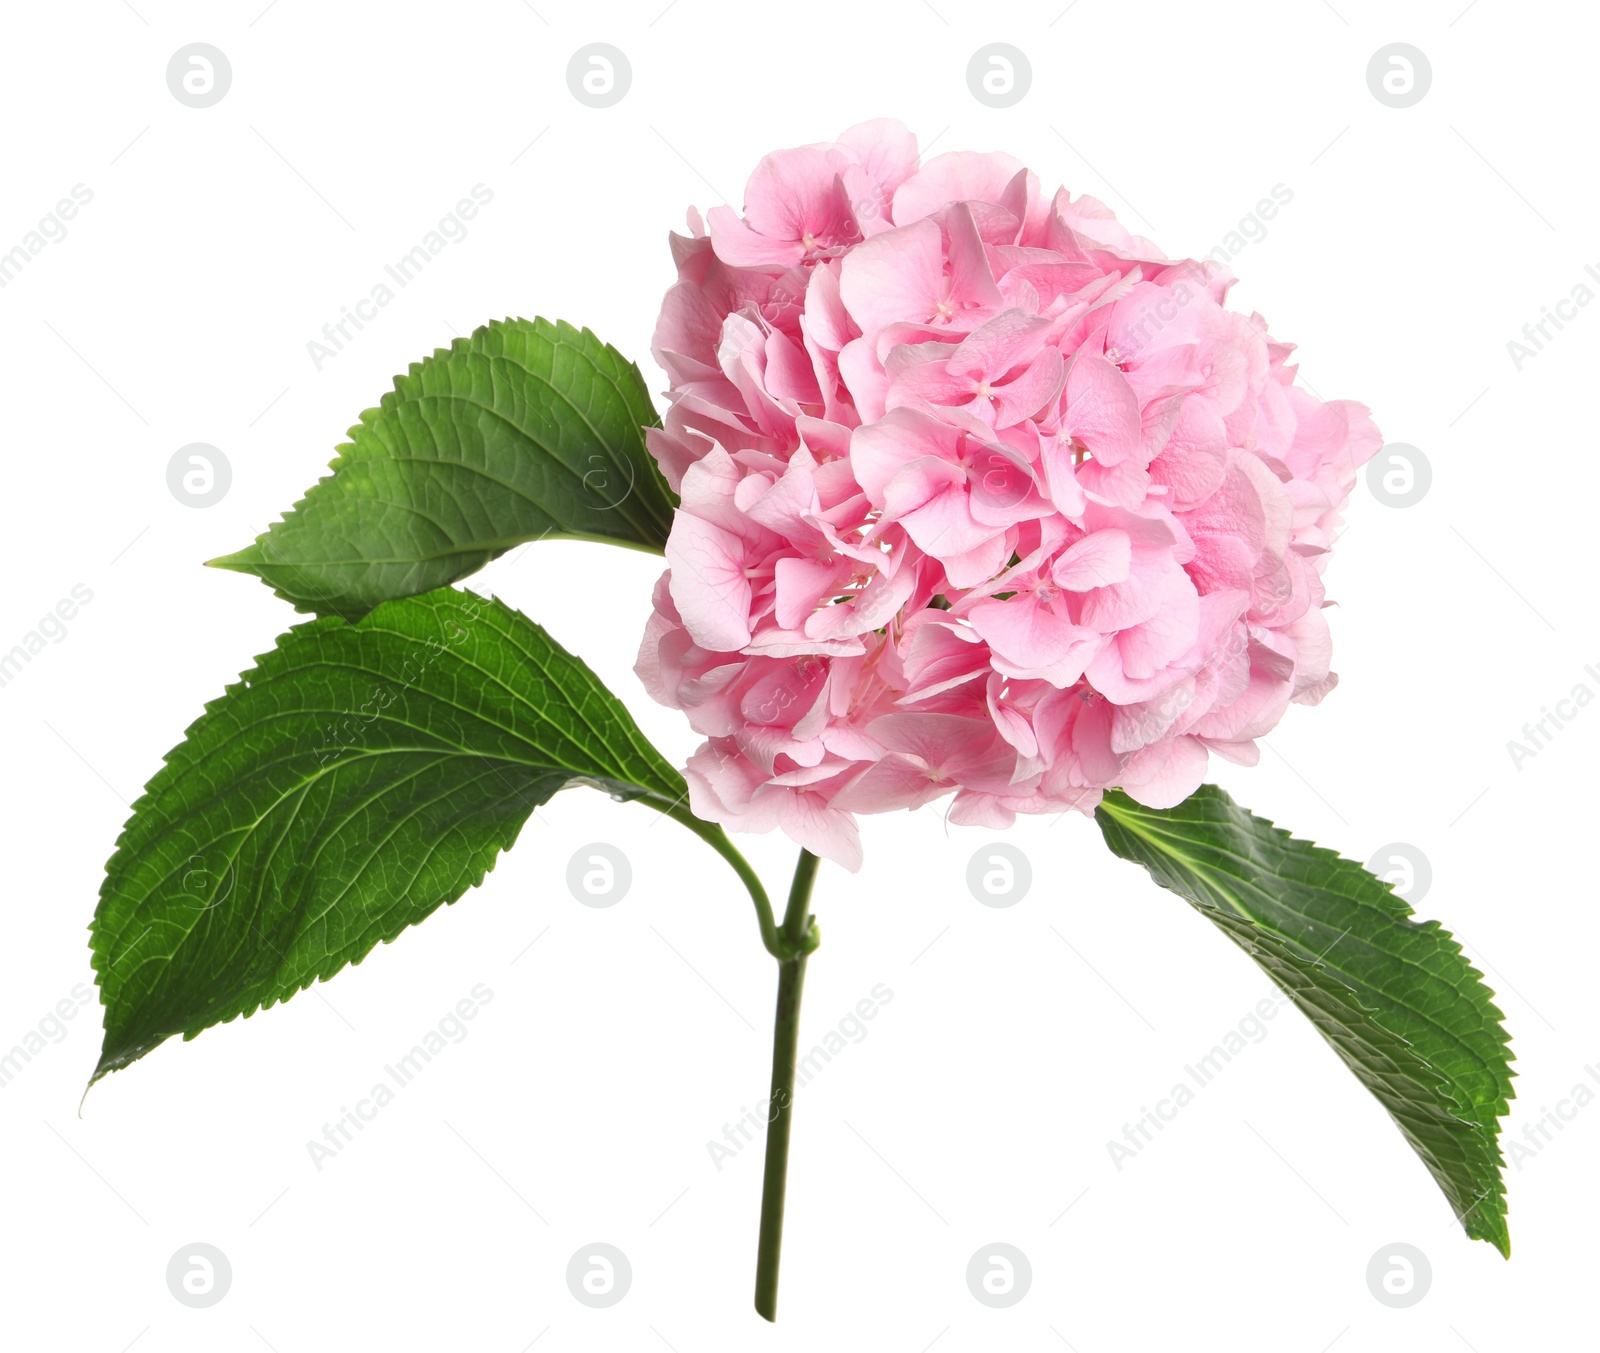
(525, 431)
(1394, 996)
(355, 779)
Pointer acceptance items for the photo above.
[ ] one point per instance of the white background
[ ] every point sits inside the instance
(1018, 1042)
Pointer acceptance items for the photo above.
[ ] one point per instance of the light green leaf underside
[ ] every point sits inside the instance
(525, 431)
(1394, 997)
(355, 779)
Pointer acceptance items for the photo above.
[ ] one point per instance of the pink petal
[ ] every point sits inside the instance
(709, 586)
(1164, 776)
(955, 176)
(1031, 640)
(887, 151)
(1102, 409)
(1100, 559)
(894, 276)
(796, 193)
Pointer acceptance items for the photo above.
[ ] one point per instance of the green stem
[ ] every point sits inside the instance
(717, 839)
(797, 939)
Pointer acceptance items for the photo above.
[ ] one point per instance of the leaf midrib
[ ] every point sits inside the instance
(1492, 1070)
(502, 356)
(646, 794)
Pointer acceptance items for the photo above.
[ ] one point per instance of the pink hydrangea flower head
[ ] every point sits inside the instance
(981, 495)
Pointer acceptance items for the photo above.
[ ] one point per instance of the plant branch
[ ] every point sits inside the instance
(717, 839)
(798, 937)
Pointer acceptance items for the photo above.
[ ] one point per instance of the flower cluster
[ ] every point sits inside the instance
(979, 492)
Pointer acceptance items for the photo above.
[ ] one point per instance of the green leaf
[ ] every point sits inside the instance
(355, 779)
(524, 431)
(1395, 998)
